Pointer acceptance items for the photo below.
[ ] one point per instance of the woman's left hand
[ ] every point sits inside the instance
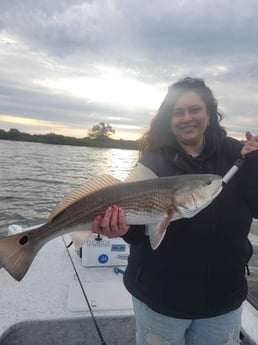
(251, 144)
(113, 223)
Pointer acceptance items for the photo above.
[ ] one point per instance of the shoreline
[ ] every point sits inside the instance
(56, 139)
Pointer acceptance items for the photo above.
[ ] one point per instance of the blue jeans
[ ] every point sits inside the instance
(153, 328)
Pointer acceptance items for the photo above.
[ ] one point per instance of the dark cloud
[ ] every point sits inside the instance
(132, 32)
(151, 41)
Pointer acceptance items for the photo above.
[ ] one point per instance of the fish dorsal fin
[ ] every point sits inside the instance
(140, 172)
(87, 188)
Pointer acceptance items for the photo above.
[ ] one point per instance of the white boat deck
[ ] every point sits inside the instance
(50, 293)
(50, 290)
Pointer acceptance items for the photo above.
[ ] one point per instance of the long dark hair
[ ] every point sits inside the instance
(159, 133)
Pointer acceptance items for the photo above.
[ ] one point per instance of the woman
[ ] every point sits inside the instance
(192, 287)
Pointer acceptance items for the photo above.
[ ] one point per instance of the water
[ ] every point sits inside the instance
(35, 177)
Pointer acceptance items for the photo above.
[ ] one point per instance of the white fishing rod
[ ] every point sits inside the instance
(237, 165)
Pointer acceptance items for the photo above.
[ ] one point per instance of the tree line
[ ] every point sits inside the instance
(98, 136)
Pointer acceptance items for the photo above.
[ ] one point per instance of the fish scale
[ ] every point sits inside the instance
(153, 203)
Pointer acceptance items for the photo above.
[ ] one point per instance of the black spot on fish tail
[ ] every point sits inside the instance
(17, 253)
(24, 240)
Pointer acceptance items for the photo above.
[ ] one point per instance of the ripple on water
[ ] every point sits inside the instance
(35, 177)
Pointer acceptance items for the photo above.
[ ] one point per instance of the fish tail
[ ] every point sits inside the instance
(17, 253)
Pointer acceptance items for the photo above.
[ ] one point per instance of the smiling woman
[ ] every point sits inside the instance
(193, 286)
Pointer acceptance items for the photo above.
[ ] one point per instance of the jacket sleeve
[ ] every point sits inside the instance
(248, 180)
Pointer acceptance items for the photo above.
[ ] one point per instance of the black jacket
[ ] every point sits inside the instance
(198, 270)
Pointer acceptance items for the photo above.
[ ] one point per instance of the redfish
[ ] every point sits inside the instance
(153, 202)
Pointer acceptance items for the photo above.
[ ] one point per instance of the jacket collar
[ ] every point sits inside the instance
(188, 164)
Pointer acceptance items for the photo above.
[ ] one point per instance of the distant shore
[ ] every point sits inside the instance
(56, 139)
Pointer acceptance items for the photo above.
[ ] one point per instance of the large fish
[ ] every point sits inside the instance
(154, 202)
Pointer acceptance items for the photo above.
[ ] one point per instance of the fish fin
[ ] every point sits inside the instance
(80, 237)
(156, 232)
(87, 188)
(17, 254)
(140, 172)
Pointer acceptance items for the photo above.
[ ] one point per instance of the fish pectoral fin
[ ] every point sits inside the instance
(79, 237)
(156, 232)
(85, 189)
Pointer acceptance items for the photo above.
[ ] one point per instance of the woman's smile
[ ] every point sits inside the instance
(188, 128)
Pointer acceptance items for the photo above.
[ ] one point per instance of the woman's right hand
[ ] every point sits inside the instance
(251, 144)
(112, 224)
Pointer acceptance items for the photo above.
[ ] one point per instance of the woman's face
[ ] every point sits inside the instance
(189, 121)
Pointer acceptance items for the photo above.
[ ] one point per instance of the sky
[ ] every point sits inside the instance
(66, 65)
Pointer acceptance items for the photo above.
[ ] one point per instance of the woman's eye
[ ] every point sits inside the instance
(178, 113)
(195, 110)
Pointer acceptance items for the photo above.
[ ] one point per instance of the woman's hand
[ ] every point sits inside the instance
(251, 144)
(112, 224)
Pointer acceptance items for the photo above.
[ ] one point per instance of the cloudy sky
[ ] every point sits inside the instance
(66, 65)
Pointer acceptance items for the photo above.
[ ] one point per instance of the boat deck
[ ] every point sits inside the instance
(48, 306)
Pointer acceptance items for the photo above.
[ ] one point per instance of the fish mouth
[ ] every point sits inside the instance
(216, 193)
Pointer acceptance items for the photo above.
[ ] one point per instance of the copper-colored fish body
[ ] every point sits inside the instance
(153, 202)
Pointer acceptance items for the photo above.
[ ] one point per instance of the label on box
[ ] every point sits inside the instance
(104, 252)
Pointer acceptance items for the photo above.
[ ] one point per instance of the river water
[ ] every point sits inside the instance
(34, 177)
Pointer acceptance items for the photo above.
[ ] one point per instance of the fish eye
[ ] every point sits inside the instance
(209, 182)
